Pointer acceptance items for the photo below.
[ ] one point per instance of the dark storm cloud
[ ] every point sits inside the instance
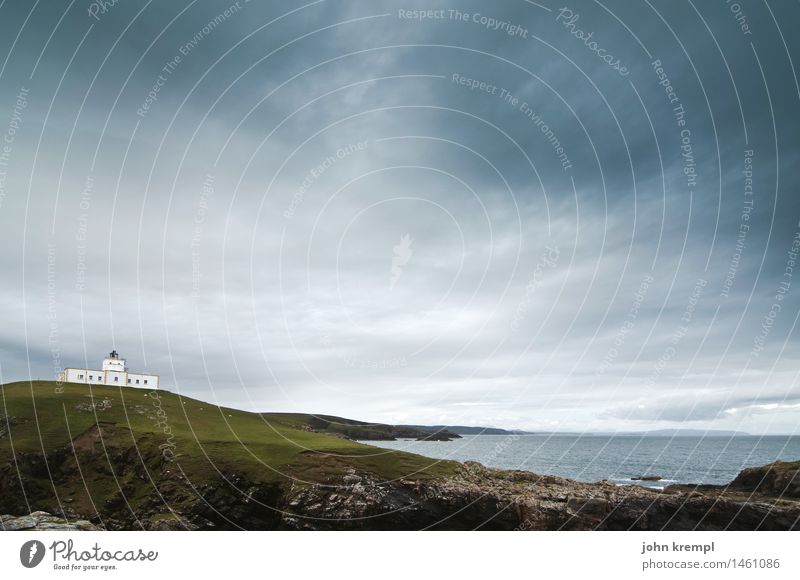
(469, 217)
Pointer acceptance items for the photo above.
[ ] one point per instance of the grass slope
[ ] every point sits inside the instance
(83, 421)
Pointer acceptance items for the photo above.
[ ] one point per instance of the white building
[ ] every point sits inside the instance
(114, 373)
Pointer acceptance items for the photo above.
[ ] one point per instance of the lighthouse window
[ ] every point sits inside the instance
(129, 381)
(137, 381)
(116, 379)
(91, 377)
(80, 376)
(145, 381)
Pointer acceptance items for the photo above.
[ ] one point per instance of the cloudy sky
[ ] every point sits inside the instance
(519, 214)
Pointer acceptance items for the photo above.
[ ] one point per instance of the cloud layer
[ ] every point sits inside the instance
(410, 213)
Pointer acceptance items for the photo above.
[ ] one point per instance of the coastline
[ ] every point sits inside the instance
(479, 498)
(98, 460)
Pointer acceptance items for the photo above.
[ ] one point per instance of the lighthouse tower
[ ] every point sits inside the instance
(114, 363)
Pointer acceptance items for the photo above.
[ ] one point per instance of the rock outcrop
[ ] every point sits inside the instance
(780, 479)
(43, 521)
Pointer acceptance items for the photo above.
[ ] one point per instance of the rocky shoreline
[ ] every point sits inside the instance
(482, 498)
(476, 497)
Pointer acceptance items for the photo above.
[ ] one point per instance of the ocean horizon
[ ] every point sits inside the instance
(589, 458)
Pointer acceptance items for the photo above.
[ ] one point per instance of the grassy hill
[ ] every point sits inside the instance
(81, 446)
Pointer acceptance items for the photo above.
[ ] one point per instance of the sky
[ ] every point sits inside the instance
(533, 215)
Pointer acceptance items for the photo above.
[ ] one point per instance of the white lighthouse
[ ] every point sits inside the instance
(114, 373)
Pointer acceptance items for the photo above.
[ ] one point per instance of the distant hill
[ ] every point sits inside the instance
(362, 430)
(465, 430)
(656, 433)
(689, 433)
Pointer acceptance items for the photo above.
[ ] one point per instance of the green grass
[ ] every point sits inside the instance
(206, 439)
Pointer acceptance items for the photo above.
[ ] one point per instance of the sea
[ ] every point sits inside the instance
(619, 459)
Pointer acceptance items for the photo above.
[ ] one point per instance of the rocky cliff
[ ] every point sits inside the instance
(481, 498)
